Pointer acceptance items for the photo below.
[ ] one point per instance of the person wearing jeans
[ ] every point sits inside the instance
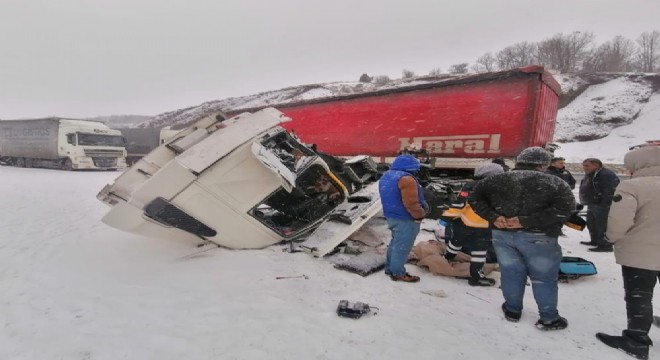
(521, 254)
(526, 209)
(404, 208)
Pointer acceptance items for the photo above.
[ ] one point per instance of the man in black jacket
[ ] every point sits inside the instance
(596, 192)
(527, 209)
(558, 168)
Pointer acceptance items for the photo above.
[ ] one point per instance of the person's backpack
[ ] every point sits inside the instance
(572, 268)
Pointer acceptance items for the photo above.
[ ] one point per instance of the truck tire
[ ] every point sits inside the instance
(20, 162)
(29, 163)
(67, 164)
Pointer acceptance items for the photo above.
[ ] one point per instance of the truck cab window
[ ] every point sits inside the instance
(71, 139)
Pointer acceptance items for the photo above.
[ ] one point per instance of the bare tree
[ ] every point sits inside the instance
(648, 57)
(485, 62)
(382, 80)
(565, 52)
(517, 55)
(435, 72)
(614, 55)
(407, 74)
(461, 68)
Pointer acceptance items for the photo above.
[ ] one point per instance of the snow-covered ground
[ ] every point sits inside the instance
(74, 288)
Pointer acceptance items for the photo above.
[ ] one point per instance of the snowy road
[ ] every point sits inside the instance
(74, 288)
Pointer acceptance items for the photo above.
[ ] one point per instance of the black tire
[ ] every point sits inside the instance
(29, 163)
(20, 162)
(67, 164)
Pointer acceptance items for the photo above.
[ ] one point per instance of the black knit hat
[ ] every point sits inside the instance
(534, 156)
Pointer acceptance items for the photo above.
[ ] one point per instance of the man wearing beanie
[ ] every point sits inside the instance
(404, 208)
(526, 209)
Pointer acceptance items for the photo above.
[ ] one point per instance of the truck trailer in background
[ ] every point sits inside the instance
(61, 143)
(456, 122)
(140, 141)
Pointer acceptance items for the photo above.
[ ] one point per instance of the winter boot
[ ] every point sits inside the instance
(477, 277)
(633, 343)
(481, 281)
(510, 315)
(559, 324)
(656, 321)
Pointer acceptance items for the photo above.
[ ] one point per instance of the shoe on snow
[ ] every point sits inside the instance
(626, 344)
(558, 324)
(510, 315)
(484, 281)
(656, 321)
(405, 278)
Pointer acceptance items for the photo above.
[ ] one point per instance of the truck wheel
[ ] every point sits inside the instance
(20, 162)
(67, 164)
(28, 163)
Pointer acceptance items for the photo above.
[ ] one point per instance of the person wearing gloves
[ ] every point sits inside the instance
(404, 207)
(527, 209)
(464, 233)
(633, 229)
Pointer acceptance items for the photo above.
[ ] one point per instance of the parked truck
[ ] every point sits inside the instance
(61, 143)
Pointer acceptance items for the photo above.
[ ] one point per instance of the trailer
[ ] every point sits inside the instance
(60, 143)
(141, 141)
(456, 123)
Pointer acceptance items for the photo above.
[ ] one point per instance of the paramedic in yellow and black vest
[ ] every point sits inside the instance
(633, 227)
(472, 240)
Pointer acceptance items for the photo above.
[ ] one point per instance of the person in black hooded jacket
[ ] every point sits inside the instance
(596, 192)
(527, 209)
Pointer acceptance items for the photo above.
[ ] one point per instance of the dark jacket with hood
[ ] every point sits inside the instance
(400, 192)
(598, 187)
(541, 202)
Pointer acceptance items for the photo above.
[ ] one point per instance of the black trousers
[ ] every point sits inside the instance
(597, 223)
(639, 284)
(474, 241)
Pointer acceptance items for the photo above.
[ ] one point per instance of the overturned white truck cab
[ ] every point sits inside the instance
(242, 183)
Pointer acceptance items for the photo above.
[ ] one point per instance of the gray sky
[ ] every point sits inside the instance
(82, 58)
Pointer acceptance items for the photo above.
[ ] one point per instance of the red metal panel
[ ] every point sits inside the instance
(483, 119)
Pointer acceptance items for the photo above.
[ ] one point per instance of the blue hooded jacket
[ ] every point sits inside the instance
(388, 187)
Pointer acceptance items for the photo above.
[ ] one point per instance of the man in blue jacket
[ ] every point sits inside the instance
(404, 208)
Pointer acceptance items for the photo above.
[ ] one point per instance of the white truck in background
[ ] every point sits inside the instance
(60, 143)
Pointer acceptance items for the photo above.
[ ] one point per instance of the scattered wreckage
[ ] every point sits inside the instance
(243, 183)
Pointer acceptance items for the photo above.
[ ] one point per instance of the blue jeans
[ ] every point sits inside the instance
(404, 233)
(522, 254)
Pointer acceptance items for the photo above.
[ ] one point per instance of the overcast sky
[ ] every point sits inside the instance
(80, 58)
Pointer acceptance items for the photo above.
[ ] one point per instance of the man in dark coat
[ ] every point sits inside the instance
(527, 209)
(558, 168)
(596, 192)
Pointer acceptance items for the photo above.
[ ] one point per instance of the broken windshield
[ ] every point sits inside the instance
(316, 194)
(100, 140)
